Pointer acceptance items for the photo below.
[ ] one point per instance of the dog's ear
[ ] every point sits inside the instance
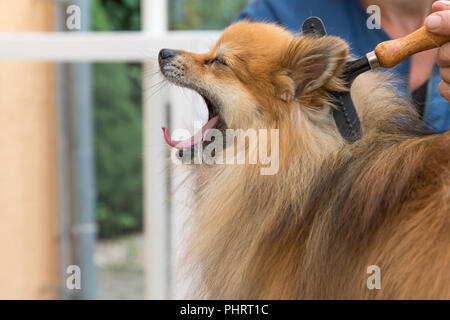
(311, 63)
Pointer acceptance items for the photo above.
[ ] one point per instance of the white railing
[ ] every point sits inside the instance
(97, 46)
(163, 222)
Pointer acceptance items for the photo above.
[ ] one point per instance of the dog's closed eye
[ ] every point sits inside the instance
(216, 60)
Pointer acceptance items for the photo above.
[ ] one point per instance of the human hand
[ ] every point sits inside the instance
(439, 22)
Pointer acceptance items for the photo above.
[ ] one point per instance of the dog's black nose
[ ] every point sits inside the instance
(166, 54)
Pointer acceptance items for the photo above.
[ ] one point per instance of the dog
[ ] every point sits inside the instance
(334, 210)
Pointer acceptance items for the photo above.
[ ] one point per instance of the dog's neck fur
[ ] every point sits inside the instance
(214, 224)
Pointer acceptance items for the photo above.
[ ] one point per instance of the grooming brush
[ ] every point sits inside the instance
(387, 55)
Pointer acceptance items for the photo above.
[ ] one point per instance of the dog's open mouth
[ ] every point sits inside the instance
(213, 120)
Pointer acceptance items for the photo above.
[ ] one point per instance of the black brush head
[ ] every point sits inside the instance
(314, 25)
(355, 68)
(344, 113)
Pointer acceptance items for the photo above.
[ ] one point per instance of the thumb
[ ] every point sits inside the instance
(439, 22)
(441, 5)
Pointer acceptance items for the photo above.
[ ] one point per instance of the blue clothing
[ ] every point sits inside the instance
(347, 19)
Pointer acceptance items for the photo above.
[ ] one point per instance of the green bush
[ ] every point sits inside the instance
(203, 14)
(118, 127)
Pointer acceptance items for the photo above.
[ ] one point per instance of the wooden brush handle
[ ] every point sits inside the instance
(391, 53)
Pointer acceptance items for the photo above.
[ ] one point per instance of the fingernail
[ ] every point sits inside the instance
(433, 22)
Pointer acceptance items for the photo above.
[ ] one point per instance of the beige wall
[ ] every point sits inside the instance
(29, 254)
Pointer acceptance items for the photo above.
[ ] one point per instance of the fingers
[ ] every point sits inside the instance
(439, 22)
(441, 5)
(445, 74)
(444, 90)
(444, 63)
(443, 58)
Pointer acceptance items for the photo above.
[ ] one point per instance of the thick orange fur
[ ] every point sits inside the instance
(333, 209)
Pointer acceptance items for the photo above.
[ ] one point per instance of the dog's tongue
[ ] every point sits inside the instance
(184, 144)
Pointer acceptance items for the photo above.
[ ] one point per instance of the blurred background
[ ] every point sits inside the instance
(80, 179)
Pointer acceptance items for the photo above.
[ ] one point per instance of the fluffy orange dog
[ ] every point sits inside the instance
(333, 209)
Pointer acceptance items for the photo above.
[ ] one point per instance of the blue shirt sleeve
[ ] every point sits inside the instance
(258, 10)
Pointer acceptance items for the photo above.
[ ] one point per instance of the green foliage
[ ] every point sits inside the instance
(118, 144)
(203, 14)
(123, 14)
(118, 124)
